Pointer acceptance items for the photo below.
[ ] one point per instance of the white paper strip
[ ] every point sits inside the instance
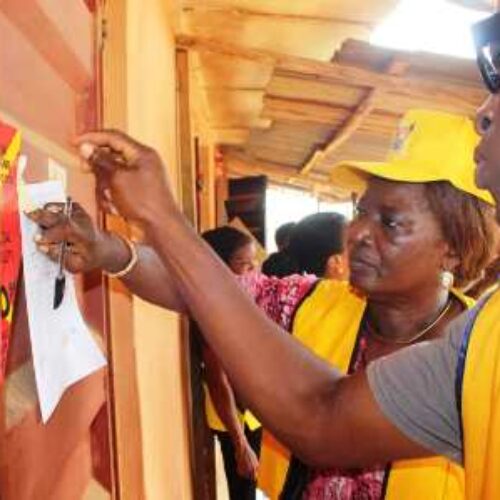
(63, 349)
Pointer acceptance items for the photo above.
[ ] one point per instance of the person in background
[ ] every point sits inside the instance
(281, 263)
(282, 235)
(317, 246)
(237, 430)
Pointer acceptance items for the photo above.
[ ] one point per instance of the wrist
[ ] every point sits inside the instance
(115, 252)
(239, 440)
(167, 217)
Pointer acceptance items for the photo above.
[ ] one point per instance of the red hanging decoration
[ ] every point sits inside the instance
(10, 235)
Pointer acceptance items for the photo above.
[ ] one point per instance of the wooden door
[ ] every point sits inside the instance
(48, 90)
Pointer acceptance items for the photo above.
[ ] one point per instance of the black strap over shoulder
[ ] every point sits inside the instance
(297, 479)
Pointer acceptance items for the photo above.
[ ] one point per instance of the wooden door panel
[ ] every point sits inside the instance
(38, 454)
(48, 90)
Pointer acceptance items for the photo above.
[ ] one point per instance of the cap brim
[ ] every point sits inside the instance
(352, 177)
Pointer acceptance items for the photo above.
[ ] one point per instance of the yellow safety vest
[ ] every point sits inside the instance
(328, 322)
(215, 423)
(481, 405)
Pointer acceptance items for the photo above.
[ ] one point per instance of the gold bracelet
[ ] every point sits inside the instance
(131, 263)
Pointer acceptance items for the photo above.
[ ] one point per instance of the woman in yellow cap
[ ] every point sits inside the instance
(423, 197)
(421, 225)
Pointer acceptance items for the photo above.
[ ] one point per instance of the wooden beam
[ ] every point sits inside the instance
(232, 88)
(352, 124)
(239, 167)
(316, 157)
(125, 413)
(305, 112)
(195, 7)
(201, 442)
(230, 135)
(298, 110)
(344, 133)
(40, 23)
(322, 189)
(234, 158)
(241, 164)
(187, 167)
(205, 44)
(305, 68)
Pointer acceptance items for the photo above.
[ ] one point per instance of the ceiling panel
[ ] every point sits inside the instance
(271, 89)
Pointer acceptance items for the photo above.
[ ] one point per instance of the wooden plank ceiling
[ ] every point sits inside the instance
(294, 87)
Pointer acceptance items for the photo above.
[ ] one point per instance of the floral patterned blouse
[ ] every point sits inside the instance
(280, 298)
(348, 484)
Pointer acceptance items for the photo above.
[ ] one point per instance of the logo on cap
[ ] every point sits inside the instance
(402, 135)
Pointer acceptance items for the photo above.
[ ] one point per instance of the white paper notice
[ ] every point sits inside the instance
(63, 349)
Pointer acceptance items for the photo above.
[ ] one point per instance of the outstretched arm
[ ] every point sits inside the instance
(284, 383)
(224, 401)
(281, 380)
(150, 280)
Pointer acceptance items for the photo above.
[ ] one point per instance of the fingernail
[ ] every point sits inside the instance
(43, 248)
(87, 150)
(107, 194)
(38, 238)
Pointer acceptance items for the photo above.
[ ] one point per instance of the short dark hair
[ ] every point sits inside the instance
(280, 264)
(468, 226)
(226, 240)
(282, 234)
(315, 239)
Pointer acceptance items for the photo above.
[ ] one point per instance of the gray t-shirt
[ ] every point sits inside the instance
(415, 388)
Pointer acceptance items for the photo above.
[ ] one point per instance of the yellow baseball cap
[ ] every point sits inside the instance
(429, 146)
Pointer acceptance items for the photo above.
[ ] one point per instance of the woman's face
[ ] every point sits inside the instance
(243, 260)
(395, 243)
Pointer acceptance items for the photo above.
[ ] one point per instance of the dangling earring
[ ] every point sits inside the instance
(446, 279)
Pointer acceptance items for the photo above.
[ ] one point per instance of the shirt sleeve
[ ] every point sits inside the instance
(278, 297)
(415, 389)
